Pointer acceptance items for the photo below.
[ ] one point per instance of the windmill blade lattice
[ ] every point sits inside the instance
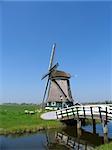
(50, 70)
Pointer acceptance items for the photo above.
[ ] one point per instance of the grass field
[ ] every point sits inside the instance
(13, 119)
(105, 147)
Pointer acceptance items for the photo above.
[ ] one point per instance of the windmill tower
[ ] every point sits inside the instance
(57, 91)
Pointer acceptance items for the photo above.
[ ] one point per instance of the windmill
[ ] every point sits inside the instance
(57, 86)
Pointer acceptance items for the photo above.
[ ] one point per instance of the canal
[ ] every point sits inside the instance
(57, 139)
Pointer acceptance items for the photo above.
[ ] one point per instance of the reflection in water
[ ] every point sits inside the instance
(61, 139)
(73, 143)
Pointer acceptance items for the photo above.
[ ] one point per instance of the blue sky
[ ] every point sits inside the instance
(82, 32)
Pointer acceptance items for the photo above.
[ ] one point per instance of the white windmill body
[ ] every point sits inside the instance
(57, 88)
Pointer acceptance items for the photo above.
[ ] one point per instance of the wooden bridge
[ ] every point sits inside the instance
(102, 112)
(79, 113)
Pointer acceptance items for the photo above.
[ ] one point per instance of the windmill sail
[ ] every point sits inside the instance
(48, 74)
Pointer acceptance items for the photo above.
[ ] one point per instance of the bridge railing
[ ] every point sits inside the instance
(102, 112)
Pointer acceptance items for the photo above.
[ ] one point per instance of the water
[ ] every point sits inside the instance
(99, 129)
(56, 139)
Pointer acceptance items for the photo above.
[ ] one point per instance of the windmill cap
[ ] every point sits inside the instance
(60, 74)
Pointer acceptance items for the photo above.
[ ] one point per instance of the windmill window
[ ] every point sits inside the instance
(53, 103)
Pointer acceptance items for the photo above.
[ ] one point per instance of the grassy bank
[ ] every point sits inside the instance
(14, 120)
(105, 147)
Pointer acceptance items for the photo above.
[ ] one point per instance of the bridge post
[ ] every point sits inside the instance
(83, 121)
(94, 126)
(79, 131)
(105, 131)
(105, 138)
(93, 121)
(78, 124)
(105, 127)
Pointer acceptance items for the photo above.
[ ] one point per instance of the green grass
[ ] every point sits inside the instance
(105, 147)
(13, 119)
